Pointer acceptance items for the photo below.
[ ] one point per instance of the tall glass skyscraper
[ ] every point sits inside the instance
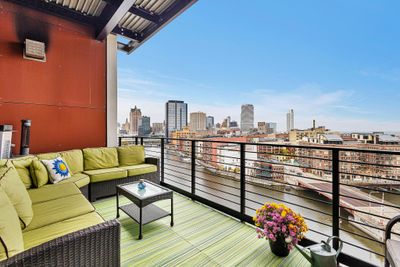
(290, 120)
(176, 114)
(247, 117)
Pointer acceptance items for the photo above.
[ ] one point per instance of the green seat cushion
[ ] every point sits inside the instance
(22, 165)
(140, 169)
(74, 159)
(79, 179)
(48, 156)
(46, 233)
(102, 175)
(100, 158)
(130, 155)
(39, 174)
(57, 210)
(17, 193)
(10, 231)
(52, 191)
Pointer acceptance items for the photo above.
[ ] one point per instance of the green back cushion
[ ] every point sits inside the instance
(130, 155)
(39, 173)
(22, 165)
(17, 193)
(10, 232)
(48, 156)
(74, 160)
(100, 158)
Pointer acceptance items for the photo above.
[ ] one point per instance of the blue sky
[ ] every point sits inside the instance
(334, 61)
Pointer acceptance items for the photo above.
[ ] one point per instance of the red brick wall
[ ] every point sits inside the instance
(64, 97)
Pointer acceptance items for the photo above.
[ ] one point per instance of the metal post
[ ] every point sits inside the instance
(242, 179)
(136, 140)
(335, 196)
(119, 140)
(162, 160)
(141, 141)
(193, 161)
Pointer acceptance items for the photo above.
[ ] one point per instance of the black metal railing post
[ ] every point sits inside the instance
(141, 141)
(119, 140)
(136, 140)
(242, 179)
(193, 161)
(335, 195)
(162, 159)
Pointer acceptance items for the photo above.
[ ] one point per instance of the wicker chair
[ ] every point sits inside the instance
(95, 246)
(392, 257)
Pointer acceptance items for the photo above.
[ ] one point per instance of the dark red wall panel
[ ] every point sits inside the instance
(64, 96)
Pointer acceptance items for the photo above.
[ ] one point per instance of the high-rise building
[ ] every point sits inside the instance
(226, 123)
(158, 128)
(247, 117)
(134, 116)
(144, 126)
(175, 116)
(210, 122)
(290, 120)
(198, 121)
(272, 126)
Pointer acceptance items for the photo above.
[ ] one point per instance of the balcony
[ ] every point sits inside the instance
(339, 191)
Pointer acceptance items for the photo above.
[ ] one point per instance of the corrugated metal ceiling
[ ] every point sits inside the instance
(88, 7)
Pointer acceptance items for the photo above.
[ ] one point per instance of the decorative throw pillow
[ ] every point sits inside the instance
(57, 168)
(17, 193)
(39, 174)
(10, 232)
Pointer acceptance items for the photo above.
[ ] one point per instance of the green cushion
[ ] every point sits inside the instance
(17, 193)
(48, 156)
(100, 158)
(130, 155)
(41, 235)
(22, 166)
(57, 210)
(102, 175)
(74, 159)
(53, 191)
(79, 179)
(140, 169)
(10, 231)
(39, 174)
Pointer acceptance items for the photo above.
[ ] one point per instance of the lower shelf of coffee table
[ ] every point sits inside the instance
(150, 213)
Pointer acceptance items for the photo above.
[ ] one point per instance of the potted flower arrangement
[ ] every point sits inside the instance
(281, 226)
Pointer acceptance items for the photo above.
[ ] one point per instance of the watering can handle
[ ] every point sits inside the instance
(340, 244)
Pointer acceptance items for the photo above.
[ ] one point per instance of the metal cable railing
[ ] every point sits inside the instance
(237, 177)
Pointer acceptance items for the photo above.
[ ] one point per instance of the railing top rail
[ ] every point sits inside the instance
(327, 148)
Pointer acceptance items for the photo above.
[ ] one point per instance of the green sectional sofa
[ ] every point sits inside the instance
(52, 225)
(96, 171)
(45, 224)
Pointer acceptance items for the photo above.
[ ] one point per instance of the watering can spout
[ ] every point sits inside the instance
(304, 253)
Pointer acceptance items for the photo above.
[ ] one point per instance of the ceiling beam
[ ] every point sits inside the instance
(113, 14)
(128, 34)
(143, 13)
(58, 10)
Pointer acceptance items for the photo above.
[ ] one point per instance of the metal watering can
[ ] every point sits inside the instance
(322, 255)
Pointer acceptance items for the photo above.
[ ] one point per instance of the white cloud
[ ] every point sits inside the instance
(335, 109)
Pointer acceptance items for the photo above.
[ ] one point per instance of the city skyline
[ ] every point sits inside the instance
(352, 87)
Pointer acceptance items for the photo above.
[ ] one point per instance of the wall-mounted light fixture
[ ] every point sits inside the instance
(34, 50)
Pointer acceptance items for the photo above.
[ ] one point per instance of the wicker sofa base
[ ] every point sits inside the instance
(108, 188)
(95, 246)
(85, 191)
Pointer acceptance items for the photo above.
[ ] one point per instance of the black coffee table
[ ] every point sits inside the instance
(141, 209)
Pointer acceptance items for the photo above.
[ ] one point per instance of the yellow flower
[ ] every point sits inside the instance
(283, 214)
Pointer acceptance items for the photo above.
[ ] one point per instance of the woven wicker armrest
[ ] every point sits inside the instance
(151, 160)
(98, 245)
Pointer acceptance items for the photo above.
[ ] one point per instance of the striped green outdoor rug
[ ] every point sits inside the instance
(201, 236)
